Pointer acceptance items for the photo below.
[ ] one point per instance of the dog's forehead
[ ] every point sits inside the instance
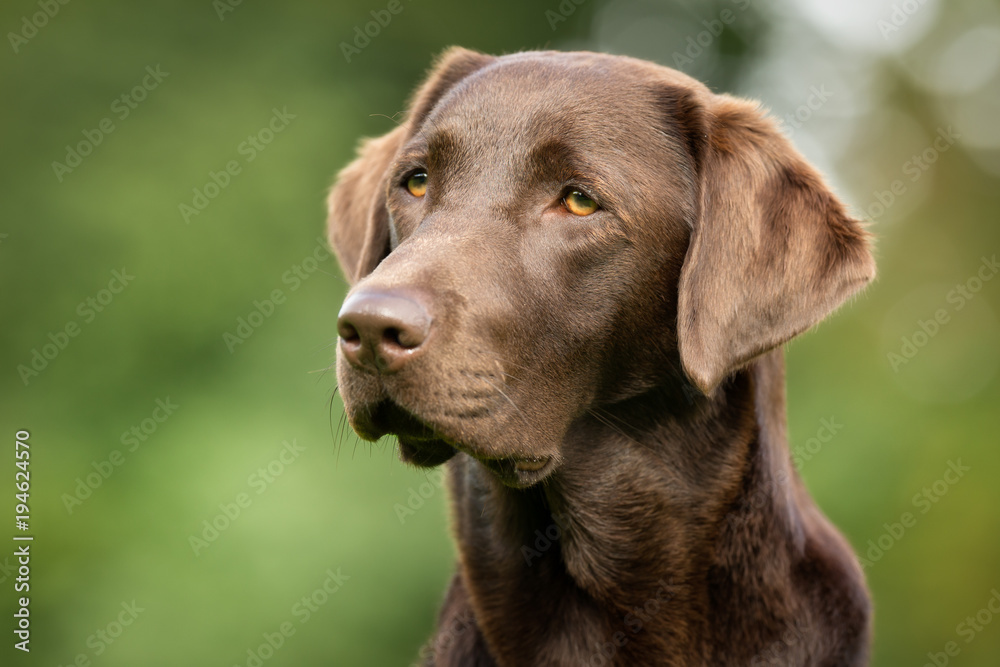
(531, 98)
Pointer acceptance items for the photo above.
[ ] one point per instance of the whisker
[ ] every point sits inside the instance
(325, 346)
(606, 421)
(329, 368)
(333, 275)
(605, 418)
(533, 373)
(501, 392)
(618, 419)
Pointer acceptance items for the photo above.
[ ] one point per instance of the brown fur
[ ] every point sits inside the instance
(637, 350)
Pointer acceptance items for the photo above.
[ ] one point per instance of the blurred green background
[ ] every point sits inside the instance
(865, 88)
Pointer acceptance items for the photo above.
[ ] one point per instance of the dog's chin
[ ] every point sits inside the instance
(517, 473)
(520, 473)
(424, 446)
(425, 453)
(419, 444)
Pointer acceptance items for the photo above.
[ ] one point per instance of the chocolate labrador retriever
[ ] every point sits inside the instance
(572, 275)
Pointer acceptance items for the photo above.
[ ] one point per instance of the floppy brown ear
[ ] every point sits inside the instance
(358, 222)
(773, 251)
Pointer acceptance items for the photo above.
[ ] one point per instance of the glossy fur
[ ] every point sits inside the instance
(636, 350)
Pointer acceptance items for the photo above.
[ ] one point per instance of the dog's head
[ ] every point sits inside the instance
(552, 232)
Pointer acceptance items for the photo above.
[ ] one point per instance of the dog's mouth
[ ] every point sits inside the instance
(419, 443)
(520, 473)
(424, 446)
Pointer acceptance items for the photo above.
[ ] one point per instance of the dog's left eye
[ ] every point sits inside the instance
(417, 184)
(580, 204)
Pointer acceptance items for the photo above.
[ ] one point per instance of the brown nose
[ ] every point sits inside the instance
(382, 331)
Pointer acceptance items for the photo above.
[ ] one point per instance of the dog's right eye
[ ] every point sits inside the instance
(579, 204)
(417, 184)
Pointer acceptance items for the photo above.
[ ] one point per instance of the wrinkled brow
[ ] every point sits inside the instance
(556, 161)
(553, 160)
(436, 151)
(444, 149)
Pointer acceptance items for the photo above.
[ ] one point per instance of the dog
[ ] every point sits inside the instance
(572, 275)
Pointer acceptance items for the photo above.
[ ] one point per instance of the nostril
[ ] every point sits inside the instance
(382, 330)
(391, 336)
(348, 333)
(404, 338)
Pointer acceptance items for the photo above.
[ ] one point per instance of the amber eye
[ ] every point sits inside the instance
(417, 184)
(578, 203)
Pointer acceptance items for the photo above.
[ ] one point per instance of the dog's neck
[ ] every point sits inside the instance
(657, 522)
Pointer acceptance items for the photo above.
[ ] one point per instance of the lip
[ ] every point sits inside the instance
(425, 453)
(421, 445)
(389, 417)
(520, 473)
(533, 464)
